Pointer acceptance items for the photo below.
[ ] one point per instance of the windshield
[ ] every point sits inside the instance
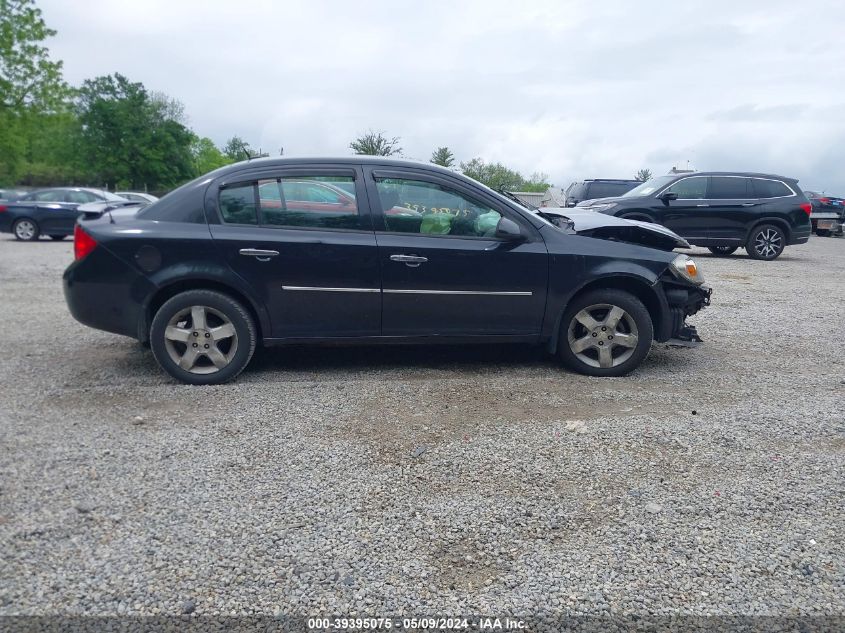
(649, 186)
(110, 197)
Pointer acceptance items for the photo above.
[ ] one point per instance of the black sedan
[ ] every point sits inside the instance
(357, 250)
(50, 212)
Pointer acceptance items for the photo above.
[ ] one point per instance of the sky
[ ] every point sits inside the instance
(574, 90)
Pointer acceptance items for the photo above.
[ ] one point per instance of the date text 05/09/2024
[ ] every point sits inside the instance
(417, 624)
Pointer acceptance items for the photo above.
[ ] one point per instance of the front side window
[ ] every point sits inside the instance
(690, 188)
(729, 188)
(771, 188)
(427, 208)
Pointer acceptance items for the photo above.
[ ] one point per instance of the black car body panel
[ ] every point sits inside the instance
(323, 284)
(707, 213)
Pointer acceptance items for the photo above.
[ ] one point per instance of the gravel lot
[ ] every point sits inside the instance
(425, 481)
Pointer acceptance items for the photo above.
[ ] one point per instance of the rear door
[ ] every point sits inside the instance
(689, 215)
(316, 268)
(50, 211)
(732, 202)
(443, 271)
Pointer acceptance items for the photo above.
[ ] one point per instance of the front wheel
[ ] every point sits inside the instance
(605, 333)
(26, 230)
(203, 337)
(722, 251)
(766, 242)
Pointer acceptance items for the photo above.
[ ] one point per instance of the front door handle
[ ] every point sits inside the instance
(702, 205)
(409, 260)
(259, 254)
(749, 204)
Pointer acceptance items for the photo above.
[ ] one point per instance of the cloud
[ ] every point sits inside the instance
(573, 89)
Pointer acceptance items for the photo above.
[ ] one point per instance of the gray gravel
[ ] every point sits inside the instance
(421, 481)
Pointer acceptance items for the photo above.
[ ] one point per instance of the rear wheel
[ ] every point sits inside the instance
(822, 232)
(723, 251)
(26, 230)
(58, 238)
(766, 242)
(605, 333)
(203, 337)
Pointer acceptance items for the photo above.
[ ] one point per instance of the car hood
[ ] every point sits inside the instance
(608, 227)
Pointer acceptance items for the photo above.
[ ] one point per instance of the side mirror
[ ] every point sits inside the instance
(508, 230)
(668, 196)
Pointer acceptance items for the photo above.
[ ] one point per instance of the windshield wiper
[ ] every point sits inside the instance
(507, 194)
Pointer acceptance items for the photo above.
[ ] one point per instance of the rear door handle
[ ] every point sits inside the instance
(749, 204)
(409, 260)
(702, 205)
(259, 254)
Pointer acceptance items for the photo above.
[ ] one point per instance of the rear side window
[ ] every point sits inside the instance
(770, 188)
(576, 190)
(609, 189)
(80, 197)
(729, 188)
(237, 204)
(320, 202)
(49, 196)
(690, 188)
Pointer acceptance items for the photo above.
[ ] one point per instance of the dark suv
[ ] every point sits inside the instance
(597, 188)
(723, 211)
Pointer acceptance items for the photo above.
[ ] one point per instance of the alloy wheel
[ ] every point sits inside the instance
(768, 243)
(25, 230)
(201, 340)
(603, 335)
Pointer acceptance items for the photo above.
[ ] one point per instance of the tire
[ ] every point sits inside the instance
(823, 232)
(189, 320)
(26, 230)
(722, 251)
(766, 242)
(58, 238)
(582, 322)
(637, 216)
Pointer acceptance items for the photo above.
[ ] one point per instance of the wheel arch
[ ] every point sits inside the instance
(779, 222)
(169, 290)
(635, 285)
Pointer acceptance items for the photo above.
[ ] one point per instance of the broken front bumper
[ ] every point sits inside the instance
(684, 301)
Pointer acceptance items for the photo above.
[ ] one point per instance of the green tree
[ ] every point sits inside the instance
(643, 175)
(375, 144)
(494, 175)
(538, 182)
(31, 84)
(207, 156)
(237, 149)
(443, 156)
(130, 138)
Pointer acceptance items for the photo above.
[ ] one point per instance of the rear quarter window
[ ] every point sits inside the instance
(770, 188)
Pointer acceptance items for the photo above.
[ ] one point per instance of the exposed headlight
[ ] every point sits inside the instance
(602, 207)
(685, 268)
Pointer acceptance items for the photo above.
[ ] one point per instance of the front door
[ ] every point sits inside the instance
(306, 245)
(443, 271)
(689, 215)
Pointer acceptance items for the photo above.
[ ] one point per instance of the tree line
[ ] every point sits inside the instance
(115, 133)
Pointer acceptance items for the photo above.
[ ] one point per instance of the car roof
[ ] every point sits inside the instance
(382, 161)
(740, 174)
(611, 180)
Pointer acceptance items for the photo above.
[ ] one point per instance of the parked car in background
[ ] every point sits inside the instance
(253, 253)
(10, 195)
(597, 188)
(828, 213)
(723, 211)
(50, 212)
(137, 196)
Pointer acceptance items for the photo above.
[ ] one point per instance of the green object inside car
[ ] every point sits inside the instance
(486, 223)
(436, 223)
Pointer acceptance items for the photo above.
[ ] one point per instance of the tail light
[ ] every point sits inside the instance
(3, 207)
(83, 243)
(824, 200)
(806, 207)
